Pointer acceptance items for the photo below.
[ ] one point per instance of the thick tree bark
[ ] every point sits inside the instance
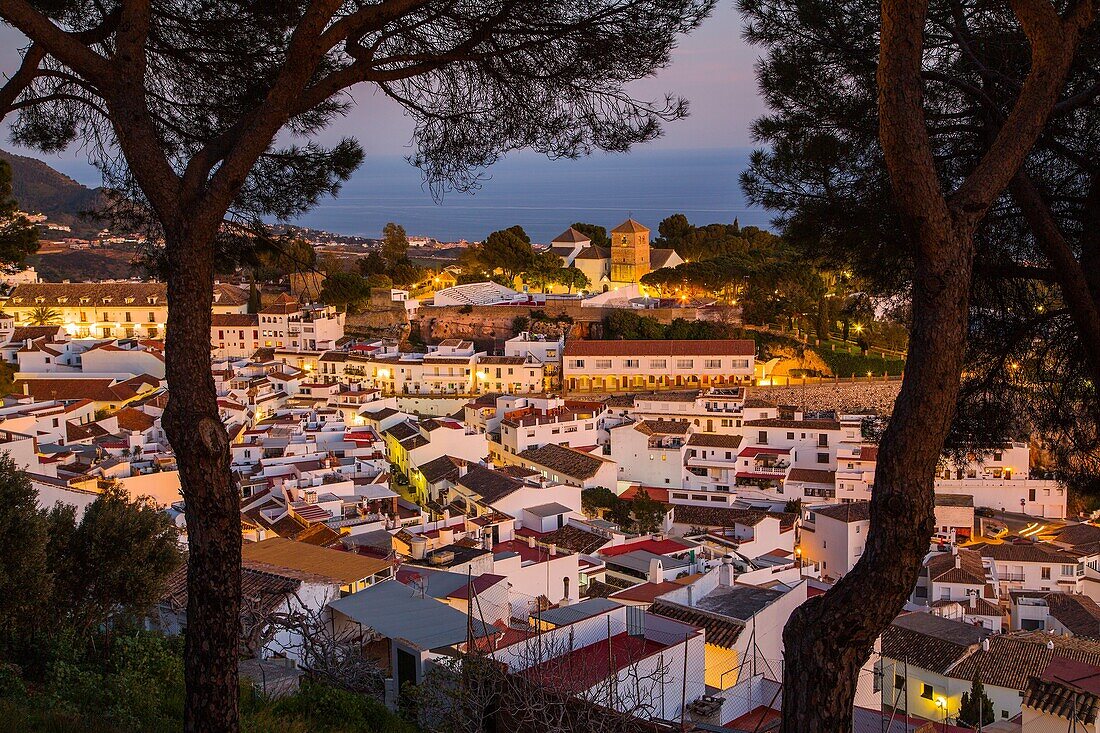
(201, 445)
(830, 637)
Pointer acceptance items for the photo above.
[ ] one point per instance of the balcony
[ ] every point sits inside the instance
(778, 469)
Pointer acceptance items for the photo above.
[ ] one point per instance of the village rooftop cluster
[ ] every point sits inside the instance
(645, 500)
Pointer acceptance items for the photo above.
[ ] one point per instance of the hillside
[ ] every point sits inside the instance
(40, 189)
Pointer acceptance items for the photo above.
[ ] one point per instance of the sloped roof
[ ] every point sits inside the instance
(573, 236)
(659, 258)
(593, 252)
(1061, 700)
(260, 583)
(130, 418)
(234, 320)
(488, 484)
(96, 389)
(344, 567)
(444, 467)
(812, 476)
(1078, 534)
(630, 226)
(1015, 657)
(931, 642)
(663, 427)
(397, 611)
(1078, 613)
(715, 440)
(574, 539)
(856, 511)
(1025, 552)
(564, 460)
(720, 630)
(964, 567)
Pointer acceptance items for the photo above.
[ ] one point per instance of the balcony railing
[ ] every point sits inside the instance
(770, 470)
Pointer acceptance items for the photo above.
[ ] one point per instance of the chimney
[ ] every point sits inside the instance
(462, 469)
(725, 571)
(656, 570)
(958, 560)
(552, 549)
(973, 601)
(531, 541)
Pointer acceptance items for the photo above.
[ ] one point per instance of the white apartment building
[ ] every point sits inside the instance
(531, 427)
(452, 367)
(544, 349)
(833, 536)
(114, 309)
(711, 461)
(284, 325)
(855, 471)
(1000, 479)
(613, 366)
(509, 374)
(651, 452)
(714, 410)
(1037, 566)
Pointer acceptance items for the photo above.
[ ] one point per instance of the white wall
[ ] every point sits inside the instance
(1049, 496)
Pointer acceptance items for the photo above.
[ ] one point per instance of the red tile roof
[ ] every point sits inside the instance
(657, 547)
(654, 492)
(583, 668)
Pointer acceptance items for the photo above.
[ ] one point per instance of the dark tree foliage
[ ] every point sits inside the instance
(202, 112)
(372, 264)
(395, 244)
(254, 301)
(25, 573)
(114, 560)
(519, 231)
(1033, 361)
(59, 573)
(975, 708)
(345, 290)
(672, 229)
(18, 236)
(596, 234)
(508, 250)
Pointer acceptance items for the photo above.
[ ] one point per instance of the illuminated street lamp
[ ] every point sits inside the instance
(941, 703)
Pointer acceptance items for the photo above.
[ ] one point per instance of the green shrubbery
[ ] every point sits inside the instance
(845, 364)
(137, 686)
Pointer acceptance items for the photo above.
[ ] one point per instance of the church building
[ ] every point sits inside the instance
(629, 258)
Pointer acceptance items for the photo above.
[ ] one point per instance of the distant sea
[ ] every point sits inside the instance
(545, 196)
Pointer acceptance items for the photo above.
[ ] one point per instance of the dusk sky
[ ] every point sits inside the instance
(713, 68)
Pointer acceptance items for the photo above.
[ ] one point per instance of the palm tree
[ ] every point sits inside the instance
(44, 315)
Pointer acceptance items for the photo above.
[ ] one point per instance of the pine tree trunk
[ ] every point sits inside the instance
(201, 446)
(828, 638)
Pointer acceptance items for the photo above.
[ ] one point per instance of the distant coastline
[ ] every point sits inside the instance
(541, 195)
